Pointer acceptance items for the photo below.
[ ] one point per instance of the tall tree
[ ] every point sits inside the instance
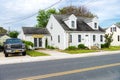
(43, 17)
(13, 34)
(78, 11)
(118, 23)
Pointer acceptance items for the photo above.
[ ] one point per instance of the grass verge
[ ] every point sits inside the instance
(79, 51)
(34, 53)
(112, 48)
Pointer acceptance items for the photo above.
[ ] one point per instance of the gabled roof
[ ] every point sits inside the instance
(81, 25)
(34, 30)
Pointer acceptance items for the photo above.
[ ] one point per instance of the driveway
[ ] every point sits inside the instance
(12, 59)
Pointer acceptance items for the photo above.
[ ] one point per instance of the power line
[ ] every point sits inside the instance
(33, 14)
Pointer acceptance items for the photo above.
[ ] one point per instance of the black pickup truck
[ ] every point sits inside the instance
(13, 46)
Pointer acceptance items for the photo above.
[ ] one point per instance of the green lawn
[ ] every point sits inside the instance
(112, 48)
(79, 51)
(34, 53)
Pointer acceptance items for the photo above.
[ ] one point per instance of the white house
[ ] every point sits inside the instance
(37, 36)
(63, 31)
(70, 30)
(3, 38)
(115, 30)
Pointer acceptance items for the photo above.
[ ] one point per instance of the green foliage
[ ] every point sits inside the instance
(78, 11)
(13, 34)
(108, 40)
(50, 47)
(34, 53)
(43, 17)
(81, 46)
(104, 45)
(71, 48)
(118, 23)
(28, 44)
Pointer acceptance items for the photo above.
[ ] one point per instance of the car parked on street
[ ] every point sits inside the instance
(13, 46)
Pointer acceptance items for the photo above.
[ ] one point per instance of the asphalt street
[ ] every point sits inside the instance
(34, 70)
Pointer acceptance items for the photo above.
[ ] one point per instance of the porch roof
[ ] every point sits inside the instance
(34, 30)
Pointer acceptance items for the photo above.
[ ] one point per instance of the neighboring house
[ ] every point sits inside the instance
(37, 36)
(115, 30)
(70, 30)
(3, 37)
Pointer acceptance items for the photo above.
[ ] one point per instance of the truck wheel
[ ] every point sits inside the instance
(23, 53)
(6, 55)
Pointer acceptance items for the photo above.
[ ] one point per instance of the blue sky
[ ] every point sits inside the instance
(14, 11)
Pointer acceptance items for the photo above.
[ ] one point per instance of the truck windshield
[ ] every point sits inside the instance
(13, 41)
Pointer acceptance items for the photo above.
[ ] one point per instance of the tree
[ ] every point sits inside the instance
(108, 40)
(43, 17)
(118, 23)
(78, 11)
(13, 34)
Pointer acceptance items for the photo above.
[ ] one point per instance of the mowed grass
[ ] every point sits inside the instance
(112, 48)
(79, 51)
(34, 53)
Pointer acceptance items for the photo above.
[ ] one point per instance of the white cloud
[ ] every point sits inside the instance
(106, 9)
(12, 10)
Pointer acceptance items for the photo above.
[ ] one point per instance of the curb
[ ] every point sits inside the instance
(46, 58)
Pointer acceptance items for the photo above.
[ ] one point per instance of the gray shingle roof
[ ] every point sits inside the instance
(34, 30)
(2, 34)
(81, 25)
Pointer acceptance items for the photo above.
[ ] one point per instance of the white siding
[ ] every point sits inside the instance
(86, 40)
(55, 31)
(92, 23)
(69, 22)
(115, 41)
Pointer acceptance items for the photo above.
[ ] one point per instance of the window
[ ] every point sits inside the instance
(114, 29)
(51, 38)
(58, 38)
(94, 38)
(110, 29)
(95, 25)
(73, 23)
(35, 42)
(118, 37)
(101, 38)
(70, 39)
(51, 27)
(79, 38)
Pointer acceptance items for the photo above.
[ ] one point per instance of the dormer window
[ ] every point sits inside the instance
(73, 23)
(95, 24)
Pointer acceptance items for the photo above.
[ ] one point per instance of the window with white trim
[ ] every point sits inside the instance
(73, 23)
(94, 38)
(58, 38)
(79, 38)
(70, 38)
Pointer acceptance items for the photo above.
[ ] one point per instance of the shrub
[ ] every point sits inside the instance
(82, 46)
(106, 45)
(28, 44)
(50, 47)
(71, 48)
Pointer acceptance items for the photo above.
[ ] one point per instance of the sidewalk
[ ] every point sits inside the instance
(54, 55)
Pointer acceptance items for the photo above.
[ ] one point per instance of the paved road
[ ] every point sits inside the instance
(105, 67)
